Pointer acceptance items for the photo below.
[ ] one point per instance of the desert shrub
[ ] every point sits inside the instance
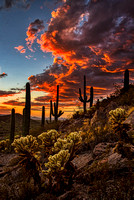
(27, 148)
(92, 135)
(5, 146)
(59, 171)
(116, 120)
(59, 166)
(25, 144)
(71, 143)
(56, 166)
(17, 136)
(61, 144)
(48, 139)
(76, 115)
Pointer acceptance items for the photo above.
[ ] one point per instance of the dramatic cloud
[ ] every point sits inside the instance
(4, 110)
(18, 103)
(32, 32)
(3, 75)
(7, 93)
(93, 38)
(21, 49)
(7, 4)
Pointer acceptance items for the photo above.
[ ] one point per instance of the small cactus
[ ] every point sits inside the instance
(4, 146)
(116, 120)
(25, 144)
(29, 156)
(70, 143)
(49, 138)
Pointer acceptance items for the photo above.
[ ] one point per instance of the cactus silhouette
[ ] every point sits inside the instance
(126, 79)
(43, 116)
(84, 99)
(98, 104)
(54, 111)
(51, 110)
(23, 122)
(26, 111)
(91, 96)
(12, 131)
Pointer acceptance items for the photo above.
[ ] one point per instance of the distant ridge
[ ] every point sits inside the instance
(5, 123)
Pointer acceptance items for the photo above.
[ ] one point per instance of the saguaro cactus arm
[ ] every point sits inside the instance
(60, 113)
(80, 97)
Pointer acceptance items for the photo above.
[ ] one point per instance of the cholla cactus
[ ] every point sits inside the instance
(56, 163)
(25, 144)
(4, 145)
(17, 136)
(59, 165)
(27, 147)
(70, 143)
(49, 138)
(75, 137)
(117, 116)
(62, 144)
(116, 120)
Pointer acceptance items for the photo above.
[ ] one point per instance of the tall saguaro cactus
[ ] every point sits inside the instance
(12, 131)
(23, 122)
(43, 116)
(91, 96)
(126, 79)
(84, 99)
(26, 111)
(54, 111)
(51, 111)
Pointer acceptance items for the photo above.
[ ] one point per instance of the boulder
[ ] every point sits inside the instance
(101, 148)
(82, 160)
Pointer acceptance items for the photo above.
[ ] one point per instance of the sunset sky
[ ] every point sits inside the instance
(57, 42)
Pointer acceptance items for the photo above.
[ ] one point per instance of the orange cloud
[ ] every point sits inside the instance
(86, 39)
(32, 32)
(21, 49)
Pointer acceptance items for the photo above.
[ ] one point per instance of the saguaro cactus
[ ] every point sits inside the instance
(126, 79)
(55, 112)
(91, 96)
(43, 116)
(23, 122)
(12, 131)
(84, 99)
(27, 110)
(51, 110)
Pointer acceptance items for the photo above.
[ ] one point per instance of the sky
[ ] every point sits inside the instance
(57, 42)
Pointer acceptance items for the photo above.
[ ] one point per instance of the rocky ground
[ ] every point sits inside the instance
(99, 175)
(103, 170)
